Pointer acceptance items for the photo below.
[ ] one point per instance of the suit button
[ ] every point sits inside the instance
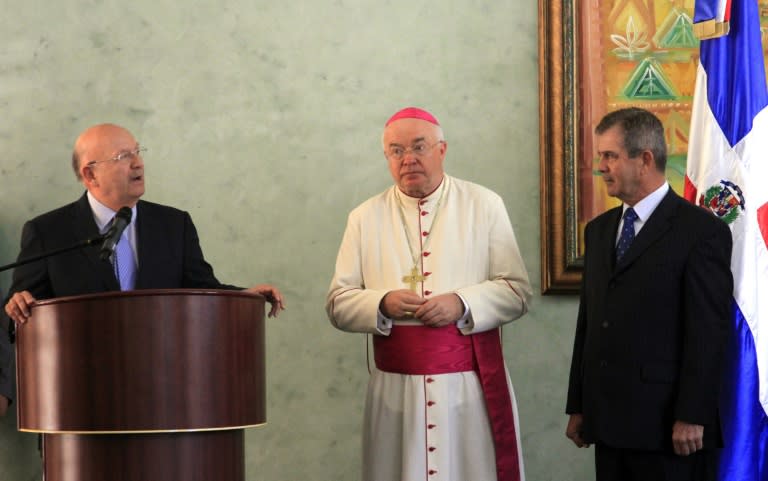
(606, 324)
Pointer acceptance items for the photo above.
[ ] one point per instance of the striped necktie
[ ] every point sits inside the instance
(125, 266)
(627, 233)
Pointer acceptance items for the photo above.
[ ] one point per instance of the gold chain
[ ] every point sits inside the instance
(436, 210)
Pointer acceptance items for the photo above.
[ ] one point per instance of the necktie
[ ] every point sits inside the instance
(627, 233)
(125, 267)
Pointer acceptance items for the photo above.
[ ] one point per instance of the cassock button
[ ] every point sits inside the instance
(429, 379)
(432, 472)
(424, 212)
(426, 254)
(431, 426)
(431, 449)
(431, 403)
(426, 293)
(425, 233)
(423, 201)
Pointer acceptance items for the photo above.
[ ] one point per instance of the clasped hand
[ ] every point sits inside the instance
(437, 311)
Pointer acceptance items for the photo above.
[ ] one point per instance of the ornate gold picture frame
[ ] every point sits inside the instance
(561, 263)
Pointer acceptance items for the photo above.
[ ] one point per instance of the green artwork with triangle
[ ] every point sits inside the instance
(648, 82)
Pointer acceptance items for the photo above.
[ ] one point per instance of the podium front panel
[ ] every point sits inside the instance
(142, 361)
(196, 456)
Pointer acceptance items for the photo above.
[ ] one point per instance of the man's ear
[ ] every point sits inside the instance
(86, 173)
(649, 162)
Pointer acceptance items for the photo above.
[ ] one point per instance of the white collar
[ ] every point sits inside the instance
(645, 207)
(103, 214)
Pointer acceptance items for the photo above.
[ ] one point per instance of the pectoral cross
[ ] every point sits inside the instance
(413, 279)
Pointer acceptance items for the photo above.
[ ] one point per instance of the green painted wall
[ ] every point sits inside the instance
(263, 120)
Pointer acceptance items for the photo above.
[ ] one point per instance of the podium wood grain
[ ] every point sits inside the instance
(161, 378)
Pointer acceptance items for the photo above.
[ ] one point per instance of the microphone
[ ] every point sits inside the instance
(112, 237)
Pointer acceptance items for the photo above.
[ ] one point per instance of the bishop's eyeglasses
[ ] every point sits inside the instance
(419, 149)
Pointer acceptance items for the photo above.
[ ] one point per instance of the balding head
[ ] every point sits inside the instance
(90, 145)
(115, 183)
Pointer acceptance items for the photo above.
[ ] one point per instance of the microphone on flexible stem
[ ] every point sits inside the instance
(112, 237)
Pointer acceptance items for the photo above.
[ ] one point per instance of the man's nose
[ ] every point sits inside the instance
(602, 165)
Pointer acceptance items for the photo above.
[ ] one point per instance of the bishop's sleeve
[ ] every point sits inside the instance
(349, 304)
(505, 295)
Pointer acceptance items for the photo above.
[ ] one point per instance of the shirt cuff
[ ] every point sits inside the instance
(383, 323)
(465, 321)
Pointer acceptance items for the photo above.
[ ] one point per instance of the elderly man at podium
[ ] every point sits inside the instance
(160, 248)
(430, 267)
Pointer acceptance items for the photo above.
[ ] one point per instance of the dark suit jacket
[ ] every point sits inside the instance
(169, 256)
(651, 330)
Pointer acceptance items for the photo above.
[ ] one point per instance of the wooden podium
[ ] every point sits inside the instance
(143, 385)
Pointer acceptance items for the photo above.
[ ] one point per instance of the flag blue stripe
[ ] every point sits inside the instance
(745, 426)
(736, 89)
(705, 10)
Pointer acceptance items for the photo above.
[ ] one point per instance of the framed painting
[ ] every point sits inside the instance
(596, 56)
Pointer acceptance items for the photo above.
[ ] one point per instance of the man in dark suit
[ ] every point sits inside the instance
(653, 318)
(164, 247)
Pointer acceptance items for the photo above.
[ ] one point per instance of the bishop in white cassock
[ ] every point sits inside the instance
(432, 269)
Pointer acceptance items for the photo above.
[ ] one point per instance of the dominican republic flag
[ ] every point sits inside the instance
(728, 172)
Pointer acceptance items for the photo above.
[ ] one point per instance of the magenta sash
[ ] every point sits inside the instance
(421, 350)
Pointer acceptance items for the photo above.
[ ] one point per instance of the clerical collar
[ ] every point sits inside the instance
(432, 196)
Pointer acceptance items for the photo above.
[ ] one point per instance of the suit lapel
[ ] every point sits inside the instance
(660, 221)
(83, 222)
(607, 239)
(146, 235)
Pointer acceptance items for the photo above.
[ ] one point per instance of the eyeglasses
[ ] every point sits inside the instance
(397, 152)
(124, 155)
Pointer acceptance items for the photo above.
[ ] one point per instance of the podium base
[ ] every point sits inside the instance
(167, 456)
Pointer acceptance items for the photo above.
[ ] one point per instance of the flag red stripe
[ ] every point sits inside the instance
(689, 191)
(762, 221)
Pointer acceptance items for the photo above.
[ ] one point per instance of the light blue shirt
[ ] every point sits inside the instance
(103, 215)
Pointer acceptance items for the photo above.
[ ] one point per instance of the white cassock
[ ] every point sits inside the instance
(429, 427)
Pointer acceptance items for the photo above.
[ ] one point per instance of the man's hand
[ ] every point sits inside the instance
(4, 403)
(440, 310)
(273, 296)
(573, 430)
(17, 307)
(400, 304)
(687, 438)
